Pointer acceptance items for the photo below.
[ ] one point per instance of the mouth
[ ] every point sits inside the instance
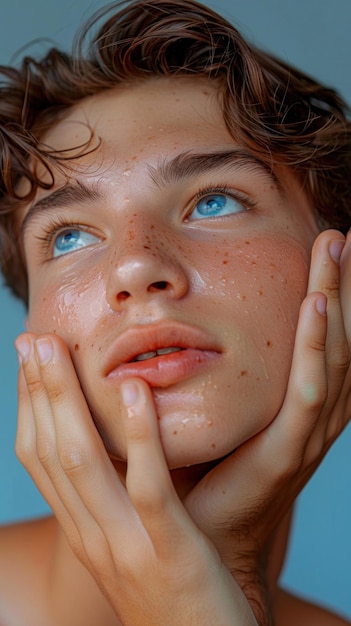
(162, 354)
(145, 356)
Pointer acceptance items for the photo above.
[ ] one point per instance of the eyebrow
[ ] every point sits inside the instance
(189, 164)
(74, 193)
(166, 172)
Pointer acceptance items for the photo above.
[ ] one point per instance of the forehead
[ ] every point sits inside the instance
(145, 110)
(134, 128)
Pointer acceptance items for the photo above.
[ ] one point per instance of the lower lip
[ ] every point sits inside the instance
(168, 369)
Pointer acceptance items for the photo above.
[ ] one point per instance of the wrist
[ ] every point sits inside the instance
(253, 581)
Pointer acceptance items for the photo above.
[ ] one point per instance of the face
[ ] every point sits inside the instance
(172, 254)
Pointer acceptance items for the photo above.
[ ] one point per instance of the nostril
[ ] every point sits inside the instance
(160, 285)
(123, 295)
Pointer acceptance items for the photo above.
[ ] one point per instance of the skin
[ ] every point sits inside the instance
(107, 517)
(228, 271)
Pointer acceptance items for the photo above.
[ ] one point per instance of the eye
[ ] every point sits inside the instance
(72, 239)
(216, 205)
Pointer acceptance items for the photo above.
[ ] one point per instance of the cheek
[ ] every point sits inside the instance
(263, 274)
(260, 287)
(70, 309)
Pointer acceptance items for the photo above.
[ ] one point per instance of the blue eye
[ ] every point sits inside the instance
(72, 239)
(216, 205)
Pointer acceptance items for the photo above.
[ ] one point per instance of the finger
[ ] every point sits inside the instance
(266, 461)
(148, 480)
(26, 450)
(325, 277)
(345, 285)
(79, 464)
(68, 506)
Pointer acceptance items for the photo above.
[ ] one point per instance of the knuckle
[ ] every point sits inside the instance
(149, 502)
(314, 396)
(75, 461)
(332, 288)
(341, 355)
(46, 452)
(34, 385)
(56, 392)
(24, 451)
(288, 466)
(317, 345)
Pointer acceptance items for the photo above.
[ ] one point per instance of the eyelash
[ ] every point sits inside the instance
(239, 196)
(49, 232)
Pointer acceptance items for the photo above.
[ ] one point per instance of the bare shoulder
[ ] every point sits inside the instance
(26, 550)
(290, 610)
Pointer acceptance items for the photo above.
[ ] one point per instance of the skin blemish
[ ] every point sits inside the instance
(76, 347)
(213, 445)
(175, 432)
(269, 343)
(260, 292)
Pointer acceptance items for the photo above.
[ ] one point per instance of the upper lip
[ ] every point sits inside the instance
(151, 337)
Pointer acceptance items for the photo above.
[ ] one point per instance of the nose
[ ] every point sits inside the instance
(144, 269)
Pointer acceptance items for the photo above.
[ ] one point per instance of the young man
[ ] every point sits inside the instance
(162, 193)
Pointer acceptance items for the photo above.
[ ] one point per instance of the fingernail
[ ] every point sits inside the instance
(336, 248)
(23, 348)
(129, 393)
(321, 304)
(44, 350)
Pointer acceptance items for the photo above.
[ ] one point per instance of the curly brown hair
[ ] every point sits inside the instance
(286, 115)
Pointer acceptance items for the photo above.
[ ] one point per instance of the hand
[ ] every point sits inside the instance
(136, 539)
(240, 504)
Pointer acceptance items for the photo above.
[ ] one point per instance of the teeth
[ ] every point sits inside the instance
(168, 350)
(150, 355)
(145, 355)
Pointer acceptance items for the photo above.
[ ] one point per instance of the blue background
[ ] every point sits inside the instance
(314, 35)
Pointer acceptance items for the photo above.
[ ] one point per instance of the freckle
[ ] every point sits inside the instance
(260, 292)
(76, 347)
(269, 344)
(247, 243)
(243, 373)
(213, 445)
(146, 247)
(225, 262)
(175, 432)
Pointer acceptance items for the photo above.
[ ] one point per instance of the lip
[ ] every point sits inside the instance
(198, 352)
